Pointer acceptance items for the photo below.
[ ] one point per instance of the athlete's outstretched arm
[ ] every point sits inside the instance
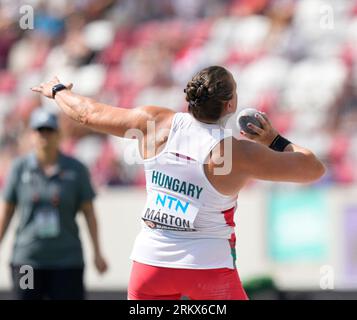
(256, 160)
(102, 117)
(295, 164)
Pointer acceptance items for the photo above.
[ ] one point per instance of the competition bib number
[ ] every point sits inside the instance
(47, 223)
(163, 211)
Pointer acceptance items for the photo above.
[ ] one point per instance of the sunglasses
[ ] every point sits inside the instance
(45, 130)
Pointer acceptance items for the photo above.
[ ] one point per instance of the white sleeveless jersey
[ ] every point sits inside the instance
(186, 222)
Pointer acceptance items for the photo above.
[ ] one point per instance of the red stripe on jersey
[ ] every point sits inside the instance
(232, 241)
(179, 155)
(229, 216)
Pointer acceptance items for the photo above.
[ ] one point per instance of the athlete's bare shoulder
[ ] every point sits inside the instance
(244, 149)
(156, 113)
(232, 149)
(156, 124)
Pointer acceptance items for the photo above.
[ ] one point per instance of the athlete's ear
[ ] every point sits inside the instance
(228, 106)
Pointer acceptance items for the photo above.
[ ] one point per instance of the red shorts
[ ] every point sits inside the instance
(159, 283)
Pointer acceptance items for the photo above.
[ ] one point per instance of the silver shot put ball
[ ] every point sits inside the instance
(246, 116)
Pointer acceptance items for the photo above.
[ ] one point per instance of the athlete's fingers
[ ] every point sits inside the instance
(69, 86)
(264, 115)
(262, 120)
(248, 135)
(256, 129)
(36, 89)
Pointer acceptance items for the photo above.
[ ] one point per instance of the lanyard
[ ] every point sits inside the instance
(44, 188)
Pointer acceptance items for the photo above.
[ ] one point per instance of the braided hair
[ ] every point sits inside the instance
(207, 92)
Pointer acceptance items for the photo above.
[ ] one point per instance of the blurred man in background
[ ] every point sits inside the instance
(48, 188)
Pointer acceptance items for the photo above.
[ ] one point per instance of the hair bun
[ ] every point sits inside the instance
(196, 92)
(207, 92)
(202, 92)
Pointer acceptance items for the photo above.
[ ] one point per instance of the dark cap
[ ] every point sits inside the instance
(40, 118)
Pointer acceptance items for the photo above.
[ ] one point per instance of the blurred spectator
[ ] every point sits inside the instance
(48, 188)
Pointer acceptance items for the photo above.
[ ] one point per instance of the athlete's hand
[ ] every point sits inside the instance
(45, 88)
(264, 135)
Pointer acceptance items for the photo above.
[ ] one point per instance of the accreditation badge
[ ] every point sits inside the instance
(47, 222)
(168, 212)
